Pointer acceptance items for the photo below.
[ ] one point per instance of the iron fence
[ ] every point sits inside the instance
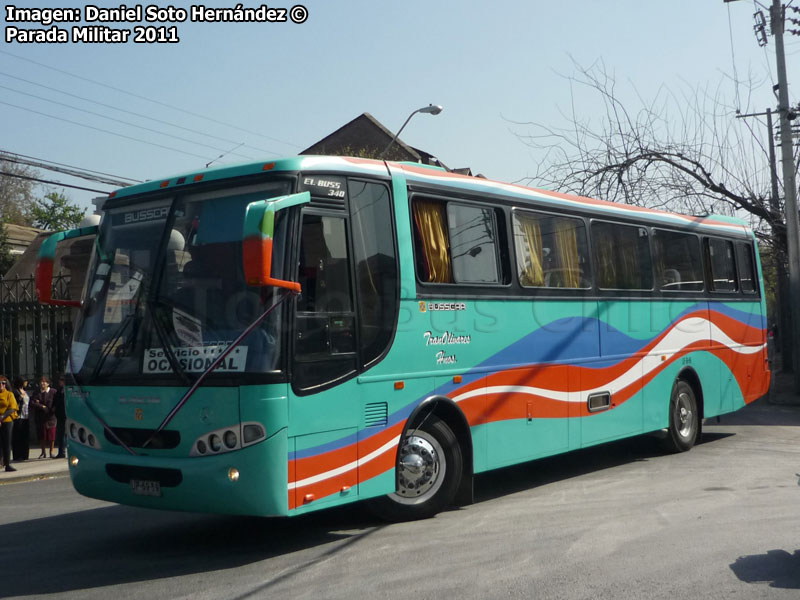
(34, 338)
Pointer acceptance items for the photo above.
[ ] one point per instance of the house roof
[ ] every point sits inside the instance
(365, 133)
(20, 236)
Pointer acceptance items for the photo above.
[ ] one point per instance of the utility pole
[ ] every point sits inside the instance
(785, 318)
(789, 185)
(777, 21)
(781, 288)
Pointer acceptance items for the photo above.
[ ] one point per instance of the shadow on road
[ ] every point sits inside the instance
(119, 545)
(509, 480)
(778, 568)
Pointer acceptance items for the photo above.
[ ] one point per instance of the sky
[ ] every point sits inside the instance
(255, 91)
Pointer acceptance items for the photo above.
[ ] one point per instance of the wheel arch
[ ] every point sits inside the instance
(448, 411)
(690, 376)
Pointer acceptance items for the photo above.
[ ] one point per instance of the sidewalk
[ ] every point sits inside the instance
(781, 389)
(34, 468)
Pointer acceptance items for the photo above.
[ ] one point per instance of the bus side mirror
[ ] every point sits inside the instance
(257, 239)
(44, 265)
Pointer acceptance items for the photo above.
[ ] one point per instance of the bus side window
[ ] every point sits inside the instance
(747, 272)
(551, 251)
(325, 348)
(721, 265)
(678, 261)
(622, 256)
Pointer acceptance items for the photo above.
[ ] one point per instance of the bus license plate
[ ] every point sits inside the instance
(142, 487)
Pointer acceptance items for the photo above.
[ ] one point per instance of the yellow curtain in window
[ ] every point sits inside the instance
(431, 220)
(530, 269)
(604, 255)
(567, 252)
(630, 277)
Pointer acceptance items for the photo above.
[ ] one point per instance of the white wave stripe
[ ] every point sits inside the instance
(679, 337)
(345, 468)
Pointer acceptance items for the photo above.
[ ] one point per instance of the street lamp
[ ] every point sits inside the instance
(431, 109)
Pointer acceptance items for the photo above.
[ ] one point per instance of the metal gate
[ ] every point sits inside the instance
(34, 339)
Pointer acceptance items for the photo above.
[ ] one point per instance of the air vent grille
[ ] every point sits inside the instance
(376, 414)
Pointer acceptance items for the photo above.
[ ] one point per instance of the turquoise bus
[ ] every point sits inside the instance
(275, 338)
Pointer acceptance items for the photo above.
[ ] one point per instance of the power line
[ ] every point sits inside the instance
(733, 61)
(50, 162)
(127, 137)
(140, 115)
(71, 171)
(116, 89)
(77, 187)
(128, 123)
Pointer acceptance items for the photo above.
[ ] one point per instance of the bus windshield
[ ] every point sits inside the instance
(167, 293)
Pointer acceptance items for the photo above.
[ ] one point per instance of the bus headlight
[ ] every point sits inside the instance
(80, 434)
(228, 439)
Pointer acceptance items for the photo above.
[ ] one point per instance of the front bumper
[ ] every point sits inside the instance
(196, 484)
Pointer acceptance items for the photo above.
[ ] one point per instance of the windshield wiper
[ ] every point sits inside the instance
(110, 344)
(163, 339)
(190, 392)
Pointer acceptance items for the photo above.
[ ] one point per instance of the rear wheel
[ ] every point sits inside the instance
(429, 467)
(684, 418)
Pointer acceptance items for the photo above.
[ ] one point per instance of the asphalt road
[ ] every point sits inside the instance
(617, 521)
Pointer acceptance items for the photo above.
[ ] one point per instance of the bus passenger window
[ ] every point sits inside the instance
(622, 255)
(551, 251)
(472, 244)
(747, 272)
(721, 265)
(678, 260)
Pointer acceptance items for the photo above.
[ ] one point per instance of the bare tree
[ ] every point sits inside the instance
(680, 151)
(684, 152)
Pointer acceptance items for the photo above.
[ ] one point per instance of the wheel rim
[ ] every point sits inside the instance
(684, 415)
(421, 467)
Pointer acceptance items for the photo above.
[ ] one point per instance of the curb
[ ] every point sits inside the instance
(33, 477)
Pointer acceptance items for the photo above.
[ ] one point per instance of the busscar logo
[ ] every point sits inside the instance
(145, 214)
(447, 306)
(423, 306)
(138, 414)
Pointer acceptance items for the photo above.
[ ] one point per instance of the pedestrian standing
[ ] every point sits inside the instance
(8, 412)
(21, 443)
(60, 410)
(45, 417)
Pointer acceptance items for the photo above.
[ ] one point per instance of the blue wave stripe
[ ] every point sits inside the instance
(577, 334)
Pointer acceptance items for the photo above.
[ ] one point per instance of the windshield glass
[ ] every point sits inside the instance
(168, 292)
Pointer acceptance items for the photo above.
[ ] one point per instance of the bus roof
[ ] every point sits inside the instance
(432, 175)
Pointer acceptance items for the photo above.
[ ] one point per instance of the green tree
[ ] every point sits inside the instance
(55, 212)
(6, 259)
(16, 192)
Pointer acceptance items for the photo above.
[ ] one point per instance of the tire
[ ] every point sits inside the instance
(684, 418)
(429, 469)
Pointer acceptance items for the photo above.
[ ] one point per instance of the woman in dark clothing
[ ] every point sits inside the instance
(45, 417)
(22, 433)
(60, 411)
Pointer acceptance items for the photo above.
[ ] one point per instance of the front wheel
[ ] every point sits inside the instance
(684, 418)
(429, 467)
